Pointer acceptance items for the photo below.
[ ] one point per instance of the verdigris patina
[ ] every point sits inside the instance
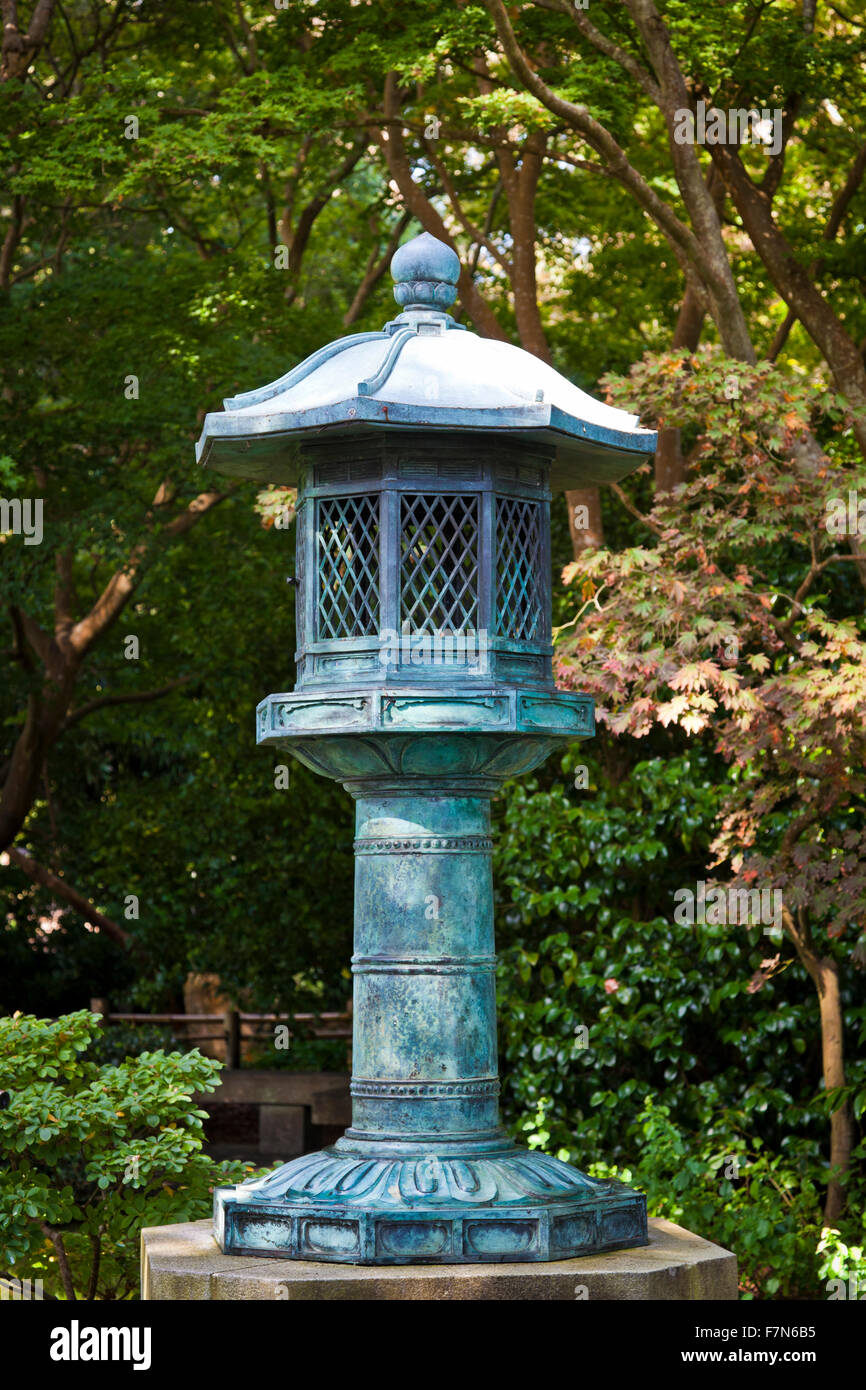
(424, 458)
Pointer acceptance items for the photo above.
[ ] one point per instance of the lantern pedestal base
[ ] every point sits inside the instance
(398, 1203)
(183, 1263)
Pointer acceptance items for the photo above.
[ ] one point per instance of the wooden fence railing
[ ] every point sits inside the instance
(237, 1026)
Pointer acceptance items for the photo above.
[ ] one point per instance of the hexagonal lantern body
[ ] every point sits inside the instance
(424, 459)
(423, 560)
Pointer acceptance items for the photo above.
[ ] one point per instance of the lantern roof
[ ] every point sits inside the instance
(423, 371)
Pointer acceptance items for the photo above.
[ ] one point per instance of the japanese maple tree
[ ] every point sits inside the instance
(741, 619)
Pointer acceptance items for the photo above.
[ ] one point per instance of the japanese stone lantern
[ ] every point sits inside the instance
(424, 458)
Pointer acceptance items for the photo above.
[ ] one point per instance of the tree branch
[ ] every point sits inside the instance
(475, 233)
(414, 197)
(607, 46)
(19, 49)
(376, 268)
(124, 581)
(297, 240)
(834, 222)
(794, 283)
(39, 874)
(681, 238)
(137, 697)
(639, 516)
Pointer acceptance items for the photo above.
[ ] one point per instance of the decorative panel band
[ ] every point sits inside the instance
(419, 1090)
(455, 844)
(421, 965)
(562, 712)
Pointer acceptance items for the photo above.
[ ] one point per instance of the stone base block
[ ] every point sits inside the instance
(183, 1262)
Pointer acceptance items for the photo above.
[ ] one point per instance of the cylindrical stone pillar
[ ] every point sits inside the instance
(424, 1053)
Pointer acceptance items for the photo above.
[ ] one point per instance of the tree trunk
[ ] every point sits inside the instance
(42, 722)
(393, 148)
(56, 1238)
(587, 531)
(826, 978)
(795, 285)
(699, 197)
(61, 656)
(824, 973)
(670, 465)
(520, 185)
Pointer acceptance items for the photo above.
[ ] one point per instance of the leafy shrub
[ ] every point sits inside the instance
(90, 1153)
(727, 1185)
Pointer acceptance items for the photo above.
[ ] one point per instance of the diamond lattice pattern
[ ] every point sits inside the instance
(518, 569)
(438, 563)
(348, 560)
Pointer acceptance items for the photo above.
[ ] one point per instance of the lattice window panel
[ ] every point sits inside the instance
(439, 563)
(348, 563)
(519, 559)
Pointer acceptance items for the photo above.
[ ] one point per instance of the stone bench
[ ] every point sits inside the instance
(283, 1113)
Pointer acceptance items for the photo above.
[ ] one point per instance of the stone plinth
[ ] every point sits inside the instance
(183, 1262)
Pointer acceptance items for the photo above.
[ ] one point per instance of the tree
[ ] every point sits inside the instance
(704, 630)
(799, 62)
(73, 335)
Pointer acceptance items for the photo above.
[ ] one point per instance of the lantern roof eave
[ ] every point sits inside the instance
(423, 371)
(266, 445)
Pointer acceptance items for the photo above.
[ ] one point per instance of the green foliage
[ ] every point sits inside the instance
(611, 1013)
(725, 1183)
(731, 627)
(844, 1265)
(90, 1153)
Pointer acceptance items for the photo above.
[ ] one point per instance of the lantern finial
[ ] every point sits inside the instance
(425, 272)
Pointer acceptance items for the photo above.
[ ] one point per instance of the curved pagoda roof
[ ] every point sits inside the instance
(422, 371)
